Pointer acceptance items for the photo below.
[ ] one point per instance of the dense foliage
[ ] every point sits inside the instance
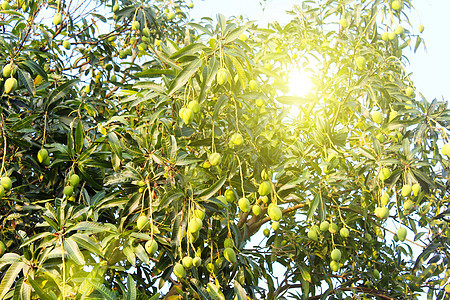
(145, 156)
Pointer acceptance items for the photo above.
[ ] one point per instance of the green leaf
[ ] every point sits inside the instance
(240, 71)
(22, 291)
(9, 258)
(60, 92)
(173, 148)
(430, 249)
(141, 253)
(79, 137)
(188, 50)
(149, 73)
(23, 123)
(208, 73)
(84, 241)
(239, 291)
(25, 79)
(215, 292)
(155, 297)
(183, 161)
(290, 100)
(74, 252)
(89, 226)
(106, 293)
(184, 76)
(418, 41)
(305, 274)
(201, 28)
(131, 289)
(115, 144)
(9, 277)
(177, 231)
(35, 68)
(38, 290)
(237, 32)
(35, 238)
(222, 21)
(208, 193)
(129, 253)
(313, 207)
(223, 99)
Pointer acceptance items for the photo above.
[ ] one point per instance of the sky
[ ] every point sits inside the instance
(430, 68)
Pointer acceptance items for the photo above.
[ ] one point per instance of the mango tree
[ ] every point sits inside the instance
(147, 156)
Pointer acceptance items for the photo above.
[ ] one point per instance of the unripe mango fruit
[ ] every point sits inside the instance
(66, 44)
(324, 226)
(68, 191)
(6, 183)
(74, 180)
(336, 255)
(360, 63)
(151, 246)
(385, 173)
(187, 262)
(406, 190)
(274, 212)
(244, 205)
(275, 225)
(334, 266)
(197, 261)
(377, 117)
(229, 195)
(237, 139)
(195, 224)
(222, 76)
(256, 209)
(229, 255)
(312, 234)
(10, 85)
(396, 5)
(253, 85)
(194, 106)
(179, 270)
(344, 232)
(142, 222)
(445, 150)
(416, 189)
(57, 19)
(9, 70)
(42, 155)
(401, 233)
(135, 25)
(199, 214)
(333, 228)
(214, 158)
(265, 188)
(408, 205)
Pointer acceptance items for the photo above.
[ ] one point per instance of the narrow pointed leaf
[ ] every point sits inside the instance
(184, 76)
(74, 252)
(9, 277)
(131, 288)
(25, 79)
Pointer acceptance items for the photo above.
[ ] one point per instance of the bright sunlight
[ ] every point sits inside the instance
(299, 83)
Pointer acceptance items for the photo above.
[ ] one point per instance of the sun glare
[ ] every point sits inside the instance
(299, 83)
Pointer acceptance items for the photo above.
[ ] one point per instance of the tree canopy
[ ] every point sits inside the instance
(149, 156)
